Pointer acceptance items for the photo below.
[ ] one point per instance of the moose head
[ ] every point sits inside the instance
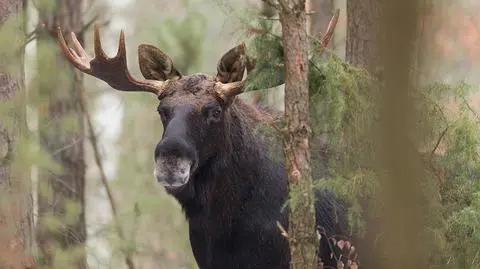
(192, 108)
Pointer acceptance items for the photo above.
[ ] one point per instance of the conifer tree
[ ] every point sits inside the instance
(61, 231)
(16, 205)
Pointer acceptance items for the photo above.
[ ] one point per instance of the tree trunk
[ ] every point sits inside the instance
(16, 207)
(362, 33)
(302, 235)
(61, 204)
(380, 38)
(401, 184)
(362, 45)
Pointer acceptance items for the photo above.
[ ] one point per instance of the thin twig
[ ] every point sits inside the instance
(465, 101)
(72, 144)
(28, 38)
(136, 211)
(429, 160)
(103, 177)
(32, 33)
(439, 140)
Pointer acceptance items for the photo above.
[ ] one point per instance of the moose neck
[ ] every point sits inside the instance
(229, 176)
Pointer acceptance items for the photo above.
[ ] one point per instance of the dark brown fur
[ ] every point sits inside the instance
(211, 159)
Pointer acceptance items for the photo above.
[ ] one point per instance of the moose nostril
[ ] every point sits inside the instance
(170, 180)
(173, 147)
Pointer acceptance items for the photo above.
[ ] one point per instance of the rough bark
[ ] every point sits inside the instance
(16, 207)
(362, 34)
(61, 191)
(302, 236)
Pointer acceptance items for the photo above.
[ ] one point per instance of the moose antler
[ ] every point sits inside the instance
(113, 71)
(228, 90)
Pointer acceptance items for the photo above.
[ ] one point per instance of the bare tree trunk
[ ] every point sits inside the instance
(405, 204)
(362, 34)
(16, 207)
(61, 191)
(302, 235)
(380, 38)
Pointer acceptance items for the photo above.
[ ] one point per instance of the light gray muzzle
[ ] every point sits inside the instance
(172, 171)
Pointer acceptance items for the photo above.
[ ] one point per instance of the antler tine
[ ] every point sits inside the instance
(97, 43)
(113, 71)
(78, 47)
(72, 58)
(122, 51)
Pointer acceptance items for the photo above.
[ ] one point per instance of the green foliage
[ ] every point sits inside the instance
(342, 108)
(183, 39)
(460, 190)
(452, 184)
(343, 113)
(267, 50)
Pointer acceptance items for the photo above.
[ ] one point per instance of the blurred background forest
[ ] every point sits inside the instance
(148, 227)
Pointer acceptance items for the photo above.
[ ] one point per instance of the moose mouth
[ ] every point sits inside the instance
(173, 172)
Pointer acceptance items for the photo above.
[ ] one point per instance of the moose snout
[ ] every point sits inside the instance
(173, 162)
(172, 172)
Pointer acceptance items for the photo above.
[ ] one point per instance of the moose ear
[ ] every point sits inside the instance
(155, 64)
(231, 66)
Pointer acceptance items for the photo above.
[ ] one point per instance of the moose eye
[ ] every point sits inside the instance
(216, 112)
(213, 112)
(164, 115)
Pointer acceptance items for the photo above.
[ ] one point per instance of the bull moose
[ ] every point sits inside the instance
(212, 162)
